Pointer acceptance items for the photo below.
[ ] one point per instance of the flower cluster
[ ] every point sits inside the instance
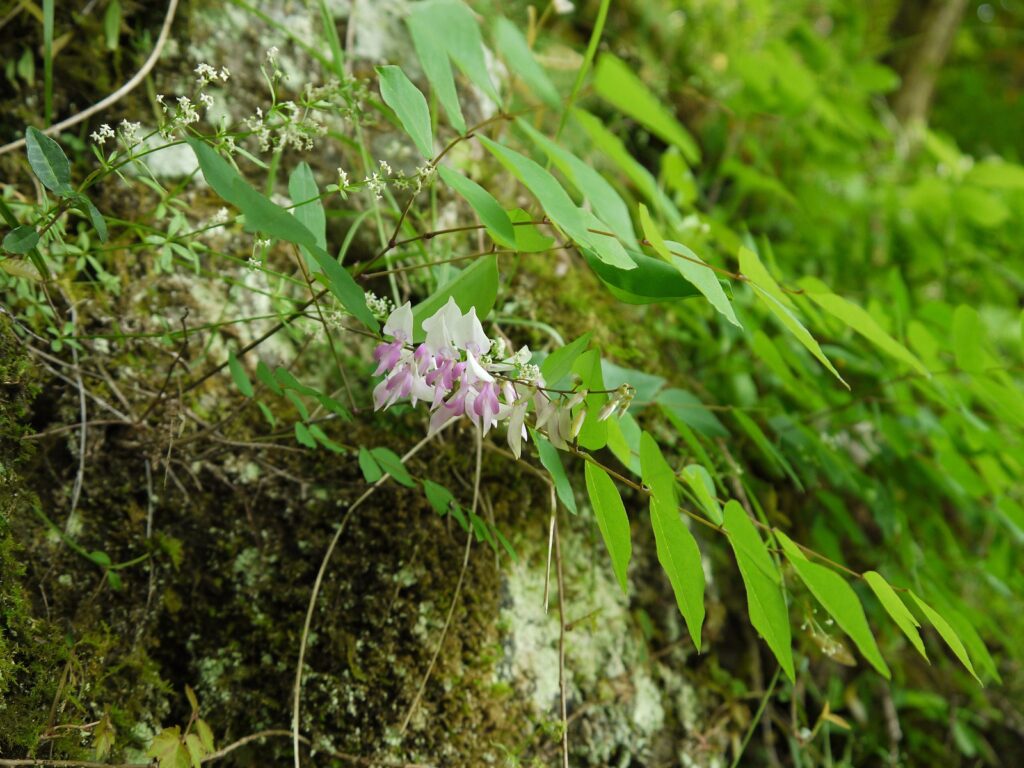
(452, 371)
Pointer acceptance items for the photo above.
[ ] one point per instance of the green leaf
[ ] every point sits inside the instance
(612, 147)
(48, 162)
(475, 286)
(756, 272)
(617, 84)
(192, 700)
(368, 465)
(703, 487)
(677, 549)
(606, 244)
(239, 375)
(682, 407)
(947, 632)
(101, 558)
(205, 735)
(195, 750)
(896, 609)
(512, 46)
(861, 321)
(299, 406)
(391, 463)
(559, 363)
(624, 440)
(428, 40)
(455, 24)
(287, 380)
(555, 201)
(22, 239)
(168, 750)
(491, 214)
(838, 598)
(701, 276)
(795, 327)
(303, 435)
(968, 339)
(264, 374)
(309, 209)
(552, 462)
(410, 105)
(112, 25)
(529, 238)
(103, 737)
(766, 602)
(324, 440)
(611, 519)
(440, 498)
(972, 641)
(98, 222)
(261, 215)
(16, 266)
(651, 281)
(606, 202)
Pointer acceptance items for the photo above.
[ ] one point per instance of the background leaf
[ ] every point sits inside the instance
(410, 105)
(475, 286)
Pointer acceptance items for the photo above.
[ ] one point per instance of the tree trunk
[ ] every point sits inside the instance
(935, 33)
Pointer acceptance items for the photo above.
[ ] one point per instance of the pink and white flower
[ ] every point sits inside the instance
(452, 370)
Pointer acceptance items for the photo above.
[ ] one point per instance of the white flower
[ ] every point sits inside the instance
(376, 185)
(342, 178)
(563, 7)
(399, 324)
(100, 136)
(187, 111)
(272, 53)
(129, 131)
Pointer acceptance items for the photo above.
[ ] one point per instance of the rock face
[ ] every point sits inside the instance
(236, 534)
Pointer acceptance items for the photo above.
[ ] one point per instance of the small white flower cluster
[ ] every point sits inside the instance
(130, 132)
(219, 218)
(101, 135)
(263, 242)
(423, 176)
(187, 112)
(205, 74)
(379, 307)
(296, 127)
(376, 183)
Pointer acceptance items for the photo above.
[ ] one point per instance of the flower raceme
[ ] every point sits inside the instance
(459, 371)
(454, 370)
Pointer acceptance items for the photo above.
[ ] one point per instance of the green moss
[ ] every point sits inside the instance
(30, 648)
